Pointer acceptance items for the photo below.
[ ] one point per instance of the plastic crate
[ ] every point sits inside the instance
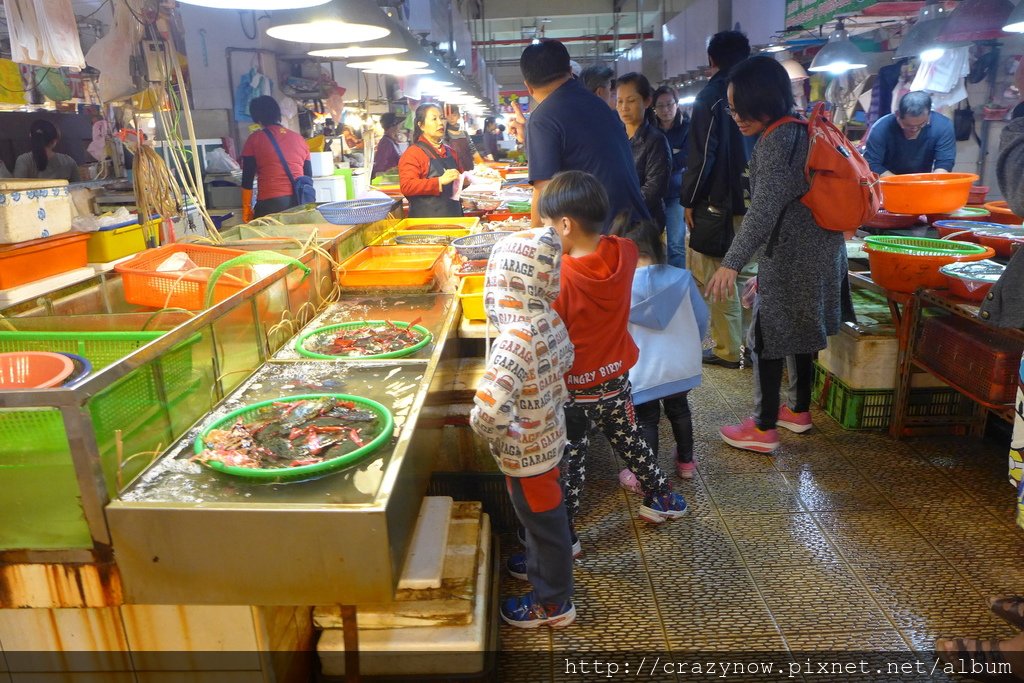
(38, 259)
(857, 409)
(471, 296)
(117, 406)
(973, 357)
(144, 286)
(109, 245)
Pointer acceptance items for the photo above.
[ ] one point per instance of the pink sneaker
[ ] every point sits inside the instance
(797, 423)
(629, 481)
(748, 437)
(685, 470)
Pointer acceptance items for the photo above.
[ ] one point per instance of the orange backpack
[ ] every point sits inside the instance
(844, 192)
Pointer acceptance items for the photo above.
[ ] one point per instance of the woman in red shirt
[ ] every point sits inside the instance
(429, 167)
(261, 160)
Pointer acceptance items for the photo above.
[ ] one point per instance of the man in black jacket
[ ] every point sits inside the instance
(714, 190)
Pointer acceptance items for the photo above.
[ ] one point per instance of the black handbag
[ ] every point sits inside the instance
(963, 123)
(712, 231)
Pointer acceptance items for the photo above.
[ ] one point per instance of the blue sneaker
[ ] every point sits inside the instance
(525, 612)
(662, 507)
(577, 548)
(516, 566)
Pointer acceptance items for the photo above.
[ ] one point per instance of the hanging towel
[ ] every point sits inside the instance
(12, 88)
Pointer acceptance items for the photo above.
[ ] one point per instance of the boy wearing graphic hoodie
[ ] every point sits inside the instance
(668, 320)
(597, 274)
(519, 411)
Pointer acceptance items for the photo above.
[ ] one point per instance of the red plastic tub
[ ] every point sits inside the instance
(1001, 213)
(917, 193)
(1000, 238)
(971, 281)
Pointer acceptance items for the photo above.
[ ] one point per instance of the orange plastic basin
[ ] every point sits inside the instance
(906, 273)
(397, 266)
(33, 369)
(917, 193)
(1001, 213)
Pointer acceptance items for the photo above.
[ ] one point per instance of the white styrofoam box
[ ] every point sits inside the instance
(322, 163)
(421, 650)
(30, 209)
(330, 189)
(866, 361)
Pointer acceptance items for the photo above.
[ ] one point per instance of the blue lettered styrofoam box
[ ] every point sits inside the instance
(30, 209)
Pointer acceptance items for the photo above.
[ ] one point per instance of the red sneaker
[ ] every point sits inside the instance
(798, 423)
(748, 437)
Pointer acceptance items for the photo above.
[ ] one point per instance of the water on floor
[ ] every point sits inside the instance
(844, 541)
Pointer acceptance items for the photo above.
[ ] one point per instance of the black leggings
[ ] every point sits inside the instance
(769, 372)
(677, 410)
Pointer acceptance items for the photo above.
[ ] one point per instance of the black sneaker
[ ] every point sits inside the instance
(715, 360)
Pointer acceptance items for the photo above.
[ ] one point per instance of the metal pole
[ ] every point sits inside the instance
(986, 125)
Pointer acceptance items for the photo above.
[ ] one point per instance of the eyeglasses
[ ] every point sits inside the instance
(912, 129)
(729, 111)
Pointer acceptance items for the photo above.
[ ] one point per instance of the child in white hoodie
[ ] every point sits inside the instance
(519, 410)
(667, 319)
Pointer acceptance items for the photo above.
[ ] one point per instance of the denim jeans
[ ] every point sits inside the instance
(675, 232)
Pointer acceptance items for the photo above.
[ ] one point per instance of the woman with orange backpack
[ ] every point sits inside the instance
(801, 269)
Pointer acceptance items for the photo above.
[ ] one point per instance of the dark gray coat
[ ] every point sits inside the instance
(1004, 305)
(800, 283)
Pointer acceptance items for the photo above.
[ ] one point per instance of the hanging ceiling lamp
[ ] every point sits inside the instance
(1015, 24)
(357, 52)
(922, 40)
(255, 4)
(795, 70)
(339, 21)
(976, 20)
(839, 54)
(392, 67)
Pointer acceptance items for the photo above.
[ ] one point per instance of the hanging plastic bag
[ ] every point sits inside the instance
(219, 161)
(112, 53)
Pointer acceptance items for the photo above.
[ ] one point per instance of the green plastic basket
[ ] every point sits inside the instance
(122, 405)
(921, 246)
(300, 343)
(304, 471)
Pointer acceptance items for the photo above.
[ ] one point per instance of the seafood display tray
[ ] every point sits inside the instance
(431, 309)
(176, 479)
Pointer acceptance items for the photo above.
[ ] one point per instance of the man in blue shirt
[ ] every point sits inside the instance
(572, 129)
(913, 140)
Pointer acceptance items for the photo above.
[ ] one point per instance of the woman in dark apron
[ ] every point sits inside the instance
(428, 170)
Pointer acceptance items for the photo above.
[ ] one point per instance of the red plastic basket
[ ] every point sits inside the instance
(144, 286)
(973, 357)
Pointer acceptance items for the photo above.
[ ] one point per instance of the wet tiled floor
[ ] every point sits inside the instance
(843, 541)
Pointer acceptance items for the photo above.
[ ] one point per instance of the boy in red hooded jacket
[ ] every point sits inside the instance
(594, 302)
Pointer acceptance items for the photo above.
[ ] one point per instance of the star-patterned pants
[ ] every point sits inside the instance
(610, 407)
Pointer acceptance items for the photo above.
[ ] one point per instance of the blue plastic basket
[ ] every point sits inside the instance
(356, 211)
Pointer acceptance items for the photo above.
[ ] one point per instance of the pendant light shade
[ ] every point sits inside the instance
(255, 4)
(1015, 24)
(922, 40)
(393, 67)
(357, 52)
(339, 21)
(839, 54)
(795, 70)
(976, 20)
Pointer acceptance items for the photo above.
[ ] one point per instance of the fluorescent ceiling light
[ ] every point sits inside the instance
(1015, 23)
(339, 21)
(327, 31)
(838, 55)
(255, 4)
(399, 72)
(357, 51)
(922, 40)
(385, 65)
